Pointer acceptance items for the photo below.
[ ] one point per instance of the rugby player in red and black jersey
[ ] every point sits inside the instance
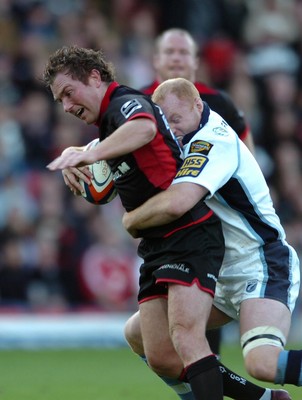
(181, 261)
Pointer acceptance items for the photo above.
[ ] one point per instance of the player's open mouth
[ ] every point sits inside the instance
(79, 112)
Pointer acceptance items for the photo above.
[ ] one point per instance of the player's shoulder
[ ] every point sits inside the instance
(123, 104)
(218, 130)
(124, 90)
(127, 95)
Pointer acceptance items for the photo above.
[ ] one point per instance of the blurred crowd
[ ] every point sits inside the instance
(59, 252)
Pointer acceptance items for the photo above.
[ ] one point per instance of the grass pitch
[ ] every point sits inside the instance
(90, 374)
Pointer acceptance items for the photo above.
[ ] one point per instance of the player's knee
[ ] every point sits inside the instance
(165, 364)
(261, 364)
(132, 333)
(256, 370)
(261, 347)
(184, 336)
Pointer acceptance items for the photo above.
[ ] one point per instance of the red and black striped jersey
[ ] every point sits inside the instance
(219, 101)
(150, 169)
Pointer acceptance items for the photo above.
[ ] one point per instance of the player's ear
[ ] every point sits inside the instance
(95, 76)
(199, 104)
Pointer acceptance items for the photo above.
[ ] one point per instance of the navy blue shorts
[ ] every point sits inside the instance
(271, 272)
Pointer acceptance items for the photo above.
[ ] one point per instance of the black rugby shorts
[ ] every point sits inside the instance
(190, 255)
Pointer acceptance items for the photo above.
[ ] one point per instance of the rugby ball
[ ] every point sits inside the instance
(101, 190)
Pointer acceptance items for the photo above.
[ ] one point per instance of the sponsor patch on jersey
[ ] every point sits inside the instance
(221, 131)
(192, 166)
(129, 107)
(200, 146)
(251, 285)
(121, 170)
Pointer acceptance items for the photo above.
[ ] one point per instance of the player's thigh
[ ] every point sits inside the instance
(189, 306)
(154, 326)
(264, 312)
(189, 310)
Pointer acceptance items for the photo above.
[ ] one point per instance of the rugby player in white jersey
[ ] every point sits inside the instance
(259, 281)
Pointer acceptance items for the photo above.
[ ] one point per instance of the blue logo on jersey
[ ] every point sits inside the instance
(251, 285)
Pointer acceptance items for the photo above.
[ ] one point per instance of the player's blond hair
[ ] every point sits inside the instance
(180, 87)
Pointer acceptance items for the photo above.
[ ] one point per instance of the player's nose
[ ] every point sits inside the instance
(67, 106)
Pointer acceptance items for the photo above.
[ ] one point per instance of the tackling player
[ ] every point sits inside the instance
(260, 277)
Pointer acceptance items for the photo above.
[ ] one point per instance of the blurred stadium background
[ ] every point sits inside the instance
(68, 271)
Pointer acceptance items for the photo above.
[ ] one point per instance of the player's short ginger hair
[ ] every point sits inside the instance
(180, 87)
(78, 62)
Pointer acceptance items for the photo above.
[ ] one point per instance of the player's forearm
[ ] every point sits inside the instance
(165, 207)
(154, 212)
(127, 138)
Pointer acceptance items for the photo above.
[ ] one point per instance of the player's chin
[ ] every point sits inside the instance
(88, 119)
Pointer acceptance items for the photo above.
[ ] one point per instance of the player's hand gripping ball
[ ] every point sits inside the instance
(101, 190)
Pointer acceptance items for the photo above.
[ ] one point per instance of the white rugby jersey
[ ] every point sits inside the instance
(215, 158)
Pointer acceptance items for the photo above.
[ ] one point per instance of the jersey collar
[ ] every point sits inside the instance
(204, 119)
(106, 100)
